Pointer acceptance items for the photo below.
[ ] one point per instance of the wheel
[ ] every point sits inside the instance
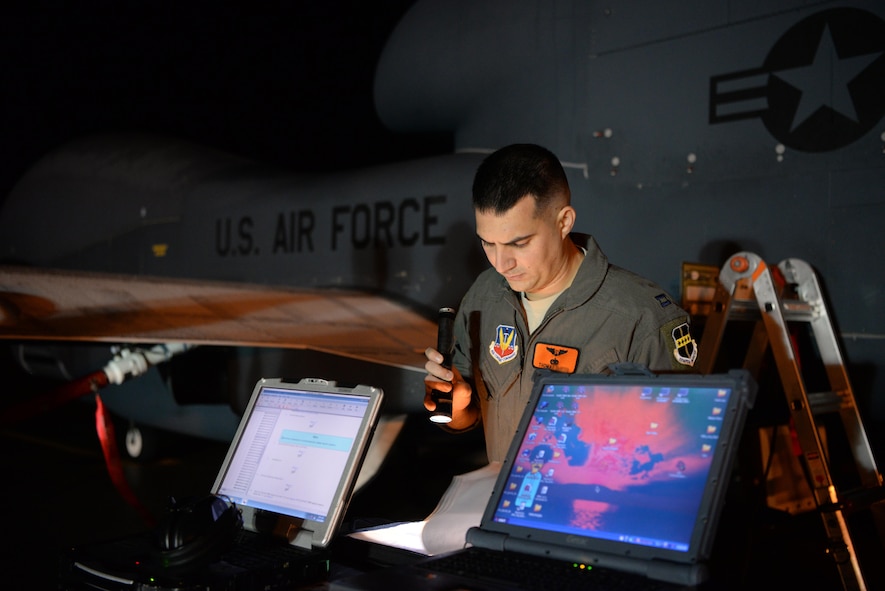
(141, 443)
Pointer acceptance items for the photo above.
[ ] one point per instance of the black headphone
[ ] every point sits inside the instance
(196, 532)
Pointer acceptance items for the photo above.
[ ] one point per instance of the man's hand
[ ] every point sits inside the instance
(448, 380)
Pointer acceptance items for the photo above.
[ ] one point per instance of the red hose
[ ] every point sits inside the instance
(54, 399)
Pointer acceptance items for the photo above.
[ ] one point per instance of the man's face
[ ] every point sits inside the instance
(528, 251)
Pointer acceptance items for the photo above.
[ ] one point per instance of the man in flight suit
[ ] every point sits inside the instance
(550, 301)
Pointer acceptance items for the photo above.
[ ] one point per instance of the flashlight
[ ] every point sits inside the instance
(445, 344)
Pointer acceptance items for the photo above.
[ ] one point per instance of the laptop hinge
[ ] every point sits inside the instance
(682, 574)
(303, 539)
(289, 529)
(484, 539)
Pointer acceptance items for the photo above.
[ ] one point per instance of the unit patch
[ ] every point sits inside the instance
(555, 358)
(504, 347)
(685, 348)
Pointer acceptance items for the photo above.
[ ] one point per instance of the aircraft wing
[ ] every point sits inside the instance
(56, 305)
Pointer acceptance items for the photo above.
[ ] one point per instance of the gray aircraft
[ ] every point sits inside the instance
(689, 130)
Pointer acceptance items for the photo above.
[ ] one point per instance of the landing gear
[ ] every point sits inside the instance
(141, 443)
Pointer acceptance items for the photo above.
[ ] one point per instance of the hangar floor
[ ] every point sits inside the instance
(57, 494)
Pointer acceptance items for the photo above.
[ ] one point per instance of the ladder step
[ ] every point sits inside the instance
(792, 311)
(825, 402)
(799, 311)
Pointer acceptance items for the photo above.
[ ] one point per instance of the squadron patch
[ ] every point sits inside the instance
(555, 358)
(504, 348)
(685, 348)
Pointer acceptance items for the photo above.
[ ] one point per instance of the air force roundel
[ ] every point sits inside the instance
(824, 82)
(504, 346)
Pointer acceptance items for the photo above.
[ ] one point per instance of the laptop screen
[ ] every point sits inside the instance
(615, 461)
(292, 451)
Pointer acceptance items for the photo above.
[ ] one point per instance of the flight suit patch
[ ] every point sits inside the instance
(555, 358)
(685, 348)
(504, 347)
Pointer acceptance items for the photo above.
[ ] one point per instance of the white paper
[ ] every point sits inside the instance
(405, 535)
(445, 529)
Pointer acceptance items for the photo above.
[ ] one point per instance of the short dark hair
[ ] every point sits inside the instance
(510, 173)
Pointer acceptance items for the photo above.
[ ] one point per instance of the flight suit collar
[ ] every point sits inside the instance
(590, 274)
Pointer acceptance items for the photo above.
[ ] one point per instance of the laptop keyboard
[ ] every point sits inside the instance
(536, 573)
(254, 551)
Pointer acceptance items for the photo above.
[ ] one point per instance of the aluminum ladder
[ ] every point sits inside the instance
(780, 299)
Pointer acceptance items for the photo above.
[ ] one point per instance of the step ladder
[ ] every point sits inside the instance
(779, 301)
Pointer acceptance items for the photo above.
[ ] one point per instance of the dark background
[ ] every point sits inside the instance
(287, 83)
